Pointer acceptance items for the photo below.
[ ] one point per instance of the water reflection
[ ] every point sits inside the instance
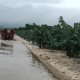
(22, 65)
(6, 48)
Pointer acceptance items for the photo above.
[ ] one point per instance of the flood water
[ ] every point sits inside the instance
(17, 63)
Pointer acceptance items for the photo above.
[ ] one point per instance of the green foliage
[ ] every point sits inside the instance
(61, 36)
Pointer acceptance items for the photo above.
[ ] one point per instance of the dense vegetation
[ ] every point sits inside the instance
(61, 36)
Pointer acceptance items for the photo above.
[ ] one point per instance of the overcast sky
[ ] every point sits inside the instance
(39, 11)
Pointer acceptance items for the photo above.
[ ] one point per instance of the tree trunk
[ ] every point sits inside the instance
(39, 45)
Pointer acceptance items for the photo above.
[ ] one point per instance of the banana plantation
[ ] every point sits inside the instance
(58, 37)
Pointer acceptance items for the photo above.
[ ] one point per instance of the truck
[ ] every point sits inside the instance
(7, 34)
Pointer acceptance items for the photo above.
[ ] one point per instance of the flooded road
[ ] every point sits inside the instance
(17, 63)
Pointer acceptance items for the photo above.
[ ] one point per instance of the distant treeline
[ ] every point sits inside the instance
(60, 37)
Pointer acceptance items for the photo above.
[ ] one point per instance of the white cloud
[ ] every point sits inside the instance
(74, 4)
(39, 11)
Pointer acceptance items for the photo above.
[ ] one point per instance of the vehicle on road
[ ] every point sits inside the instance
(7, 34)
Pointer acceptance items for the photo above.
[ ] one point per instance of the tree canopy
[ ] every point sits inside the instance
(61, 36)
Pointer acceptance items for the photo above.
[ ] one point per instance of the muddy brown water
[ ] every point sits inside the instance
(17, 63)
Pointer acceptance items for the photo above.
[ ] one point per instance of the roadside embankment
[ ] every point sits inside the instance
(57, 62)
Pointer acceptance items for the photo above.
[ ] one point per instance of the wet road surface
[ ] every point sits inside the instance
(17, 63)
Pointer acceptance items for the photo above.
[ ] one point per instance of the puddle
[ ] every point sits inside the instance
(21, 65)
(6, 48)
